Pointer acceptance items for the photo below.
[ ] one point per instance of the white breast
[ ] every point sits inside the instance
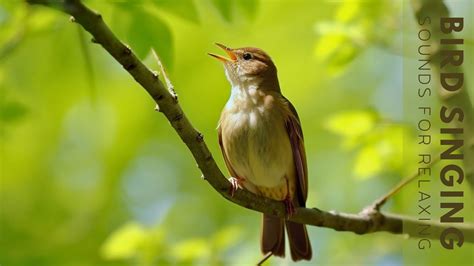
(255, 138)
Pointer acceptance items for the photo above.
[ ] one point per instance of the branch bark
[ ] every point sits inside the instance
(368, 221)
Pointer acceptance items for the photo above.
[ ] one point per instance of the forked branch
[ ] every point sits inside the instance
(362, 223)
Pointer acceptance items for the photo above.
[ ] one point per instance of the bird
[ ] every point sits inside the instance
(261, 140)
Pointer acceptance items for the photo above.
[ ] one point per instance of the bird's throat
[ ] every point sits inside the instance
(246, 98)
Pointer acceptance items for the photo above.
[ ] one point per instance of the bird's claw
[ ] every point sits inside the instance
(235, 184)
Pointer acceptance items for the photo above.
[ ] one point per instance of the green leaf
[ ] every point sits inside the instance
(348, 11)
(225, 8)
(133, 241)
(42, 19)
(147, 31)
(381, 152)
(351, 123)
(12, 111)
(339, 44)
(183, 8)
(226, 237)
(121, 21)
(368, 162)
(191, 249)
(125, 242)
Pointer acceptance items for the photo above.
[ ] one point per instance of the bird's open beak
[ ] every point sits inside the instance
(228, 51)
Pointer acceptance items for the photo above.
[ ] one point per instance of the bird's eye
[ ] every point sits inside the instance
(247, 56)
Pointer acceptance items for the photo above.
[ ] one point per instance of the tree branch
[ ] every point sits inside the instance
(377, 204)
(365, 222)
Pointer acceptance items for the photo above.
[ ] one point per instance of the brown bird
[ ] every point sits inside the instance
(262, 143)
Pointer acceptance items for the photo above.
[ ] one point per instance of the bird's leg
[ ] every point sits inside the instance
(235, 184)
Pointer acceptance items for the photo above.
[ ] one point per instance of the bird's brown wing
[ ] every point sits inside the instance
(226, 160)
(300, 246)
(295, 133)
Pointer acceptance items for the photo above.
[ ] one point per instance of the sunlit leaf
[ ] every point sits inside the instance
(368, 162)
(327, 45)
(42, 19)
(133, 241)
(347, 11)
(357, 25)
(182, 8)
(154, 245)
(381, 151)
(125, 242)
(352, 123)
(392, 147)
(226, 237)
(354, 32)
(379, 146)
(339, 43)
(191, 249)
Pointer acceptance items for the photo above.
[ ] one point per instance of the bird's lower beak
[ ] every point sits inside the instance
(228, 51)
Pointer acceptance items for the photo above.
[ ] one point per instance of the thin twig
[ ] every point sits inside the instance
(362, 223)
(169, 85)
(265, 258)
(377, 205)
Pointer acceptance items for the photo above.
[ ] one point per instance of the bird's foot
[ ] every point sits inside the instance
(235, 184)
(290, 207)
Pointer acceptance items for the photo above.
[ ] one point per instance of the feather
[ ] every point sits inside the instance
(226, 160)
(295, 134)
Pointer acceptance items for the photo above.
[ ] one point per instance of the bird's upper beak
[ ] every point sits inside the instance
(229, 52)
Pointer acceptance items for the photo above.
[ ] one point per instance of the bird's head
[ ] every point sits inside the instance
(249, 66)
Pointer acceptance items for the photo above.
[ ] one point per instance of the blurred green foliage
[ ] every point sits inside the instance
(379, 144)
(104, 180)
(357, 24)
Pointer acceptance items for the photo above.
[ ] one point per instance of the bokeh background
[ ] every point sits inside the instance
(92, 175)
